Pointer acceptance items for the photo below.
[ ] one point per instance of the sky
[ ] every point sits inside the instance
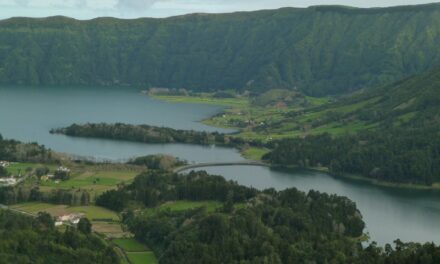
(87, 9)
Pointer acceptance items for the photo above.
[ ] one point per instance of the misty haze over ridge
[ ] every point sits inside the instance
(87, 9)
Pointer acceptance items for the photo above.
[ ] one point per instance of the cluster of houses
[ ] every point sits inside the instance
(63, 169)
(10, 181)
(4, 164)
(61, 173)
(68, 219)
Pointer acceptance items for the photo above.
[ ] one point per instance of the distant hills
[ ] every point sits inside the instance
(319, 50)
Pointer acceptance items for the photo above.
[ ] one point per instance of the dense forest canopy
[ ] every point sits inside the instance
(319, 50)
(24, 239)
(249, 226)
(12, 150)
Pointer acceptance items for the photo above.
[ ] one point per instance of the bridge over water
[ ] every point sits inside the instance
(215, 164)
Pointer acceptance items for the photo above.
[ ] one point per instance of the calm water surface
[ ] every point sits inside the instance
(27, 114)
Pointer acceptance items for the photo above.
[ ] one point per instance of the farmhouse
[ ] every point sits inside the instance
(69, 219)
(8, 181)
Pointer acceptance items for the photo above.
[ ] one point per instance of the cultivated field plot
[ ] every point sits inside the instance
(94, 213)
(130, 245)
(93, 180)
(135, 251)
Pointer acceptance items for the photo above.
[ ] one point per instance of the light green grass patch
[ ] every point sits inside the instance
(95, 212)
(17, 168)
(147, 257)
(32, 207)
(130, 245)
(254, 153)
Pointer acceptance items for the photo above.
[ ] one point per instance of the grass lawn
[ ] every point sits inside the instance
(142, 257)
(130, 245)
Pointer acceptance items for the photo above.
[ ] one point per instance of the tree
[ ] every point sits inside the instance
(45, 221)
(3, 171)
(84, 226)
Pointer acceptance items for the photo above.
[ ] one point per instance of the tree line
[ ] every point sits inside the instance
(409, 154)
(149, 134)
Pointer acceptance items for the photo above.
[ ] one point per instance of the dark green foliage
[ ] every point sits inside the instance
(151, 134)
(154, 187)
(27, 240)
(25, 193)
(115, 200)
(320, 50)
(3, 172)
(12, 150)
(408, 155)
(138, 133)
(402, 253)
(273, 227)
(45, 221)
(405, 146)
(41, 171)
(84, 226)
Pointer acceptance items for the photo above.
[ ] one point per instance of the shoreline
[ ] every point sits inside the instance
(374, 182)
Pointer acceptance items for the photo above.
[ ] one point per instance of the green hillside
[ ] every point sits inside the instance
(320, 50)
(398, 139)
(414, 99)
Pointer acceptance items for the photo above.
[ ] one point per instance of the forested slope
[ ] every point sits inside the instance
(402, 144)
(24, 239)
(249, 226)
(320, 50)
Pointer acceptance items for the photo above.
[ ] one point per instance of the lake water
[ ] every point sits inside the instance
(27, 114)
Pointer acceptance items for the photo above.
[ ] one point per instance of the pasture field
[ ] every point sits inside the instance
(95, 179)
(146, 257)
(130, 245)
(16, 168)
(91, 212)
